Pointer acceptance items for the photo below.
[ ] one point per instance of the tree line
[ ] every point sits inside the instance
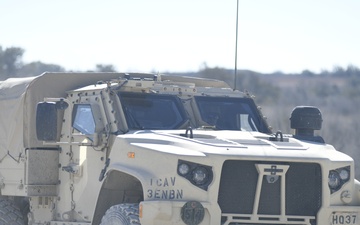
(12, 65)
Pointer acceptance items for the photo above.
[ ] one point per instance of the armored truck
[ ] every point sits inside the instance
(151, 149)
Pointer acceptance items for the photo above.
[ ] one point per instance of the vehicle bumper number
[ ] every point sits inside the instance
(344, 218)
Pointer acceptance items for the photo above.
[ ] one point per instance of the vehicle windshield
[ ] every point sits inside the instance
(164, 112)
(152, 111)
(225, 113)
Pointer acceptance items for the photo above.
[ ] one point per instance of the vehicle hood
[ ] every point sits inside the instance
(231, 144)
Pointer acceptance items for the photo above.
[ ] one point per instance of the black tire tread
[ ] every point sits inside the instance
(10, 214)
(126, 214)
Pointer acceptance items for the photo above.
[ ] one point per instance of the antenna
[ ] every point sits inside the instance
(236, 43)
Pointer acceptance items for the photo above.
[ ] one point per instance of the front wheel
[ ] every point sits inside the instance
(122, 214)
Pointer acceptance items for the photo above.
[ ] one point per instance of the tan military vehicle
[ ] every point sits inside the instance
(114, 148)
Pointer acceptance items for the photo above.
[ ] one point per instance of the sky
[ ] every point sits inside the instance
(286, 36)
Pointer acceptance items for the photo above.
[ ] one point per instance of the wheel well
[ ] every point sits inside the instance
(117, 188)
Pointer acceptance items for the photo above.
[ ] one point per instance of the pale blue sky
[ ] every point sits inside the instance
(178, 36)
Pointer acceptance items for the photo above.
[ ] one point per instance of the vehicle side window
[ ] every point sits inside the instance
(83, 119)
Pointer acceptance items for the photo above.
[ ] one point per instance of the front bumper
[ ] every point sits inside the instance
(167, 212)
(171, 213)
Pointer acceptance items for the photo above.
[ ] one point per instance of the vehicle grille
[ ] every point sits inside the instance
(252, 190)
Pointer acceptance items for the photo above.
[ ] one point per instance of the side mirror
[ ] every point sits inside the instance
(49, 120)
(47, 124)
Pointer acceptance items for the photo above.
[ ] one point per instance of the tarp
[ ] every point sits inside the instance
(18, 100)
(12, 92)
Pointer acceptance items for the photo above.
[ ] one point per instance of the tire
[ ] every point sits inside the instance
(122, 214)
(10, 214)
(24, 207)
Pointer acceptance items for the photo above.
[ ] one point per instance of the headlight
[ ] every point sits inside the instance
(344, 174)
(199, 175)
(338, 177)
(183, 169)
(334, 180)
